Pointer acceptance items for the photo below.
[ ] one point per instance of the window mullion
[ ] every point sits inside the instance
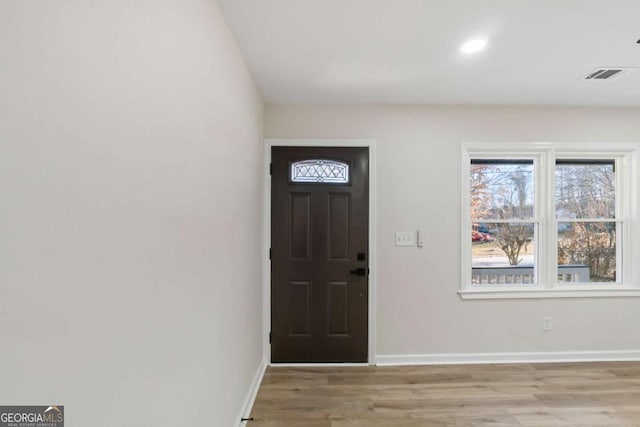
(508, 221)
(624, 201)
(548, 246)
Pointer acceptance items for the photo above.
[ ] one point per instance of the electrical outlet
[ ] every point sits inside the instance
(405, 238)
(546, 324)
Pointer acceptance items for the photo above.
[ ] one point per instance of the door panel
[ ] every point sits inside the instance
(319, 309)
(300, 309)
(338, 309)
(300, 232)
(338, 226)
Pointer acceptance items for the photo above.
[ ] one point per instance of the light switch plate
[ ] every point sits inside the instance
(405, 238)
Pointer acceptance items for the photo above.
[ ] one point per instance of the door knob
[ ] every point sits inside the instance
(359, 272)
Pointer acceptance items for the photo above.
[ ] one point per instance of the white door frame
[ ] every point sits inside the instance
(266, 226)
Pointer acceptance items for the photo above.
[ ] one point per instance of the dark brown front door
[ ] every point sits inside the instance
(319, 261)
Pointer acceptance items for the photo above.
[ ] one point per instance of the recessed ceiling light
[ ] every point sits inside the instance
(473, 46)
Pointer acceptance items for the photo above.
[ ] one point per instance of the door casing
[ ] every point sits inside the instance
(266, 240)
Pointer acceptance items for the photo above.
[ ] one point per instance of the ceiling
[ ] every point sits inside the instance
(408, 51)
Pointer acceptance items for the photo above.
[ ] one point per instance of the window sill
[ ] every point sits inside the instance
(547, 293)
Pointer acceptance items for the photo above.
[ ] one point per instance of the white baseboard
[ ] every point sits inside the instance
(526, 357)
(251, 394)
(316, 365)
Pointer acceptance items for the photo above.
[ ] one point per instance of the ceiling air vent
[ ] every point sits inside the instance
(607, 73)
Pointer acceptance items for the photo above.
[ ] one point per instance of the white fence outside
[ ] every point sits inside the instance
(524, 275)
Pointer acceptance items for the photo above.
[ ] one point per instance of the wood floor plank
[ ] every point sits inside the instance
(553, 394)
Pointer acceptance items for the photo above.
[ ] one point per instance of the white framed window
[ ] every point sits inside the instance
(548, 220)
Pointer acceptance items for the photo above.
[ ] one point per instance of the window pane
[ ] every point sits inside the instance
(585, 189)
(502, 189)
(586, 252)
(320, 171)
(502, 253)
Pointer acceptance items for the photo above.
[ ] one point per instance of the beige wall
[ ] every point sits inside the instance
(130, 188)
(418, 151)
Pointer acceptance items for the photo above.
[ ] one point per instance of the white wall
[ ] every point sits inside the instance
(418, 310)
(130, 188)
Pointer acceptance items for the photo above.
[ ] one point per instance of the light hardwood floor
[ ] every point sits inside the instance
(566, 394)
